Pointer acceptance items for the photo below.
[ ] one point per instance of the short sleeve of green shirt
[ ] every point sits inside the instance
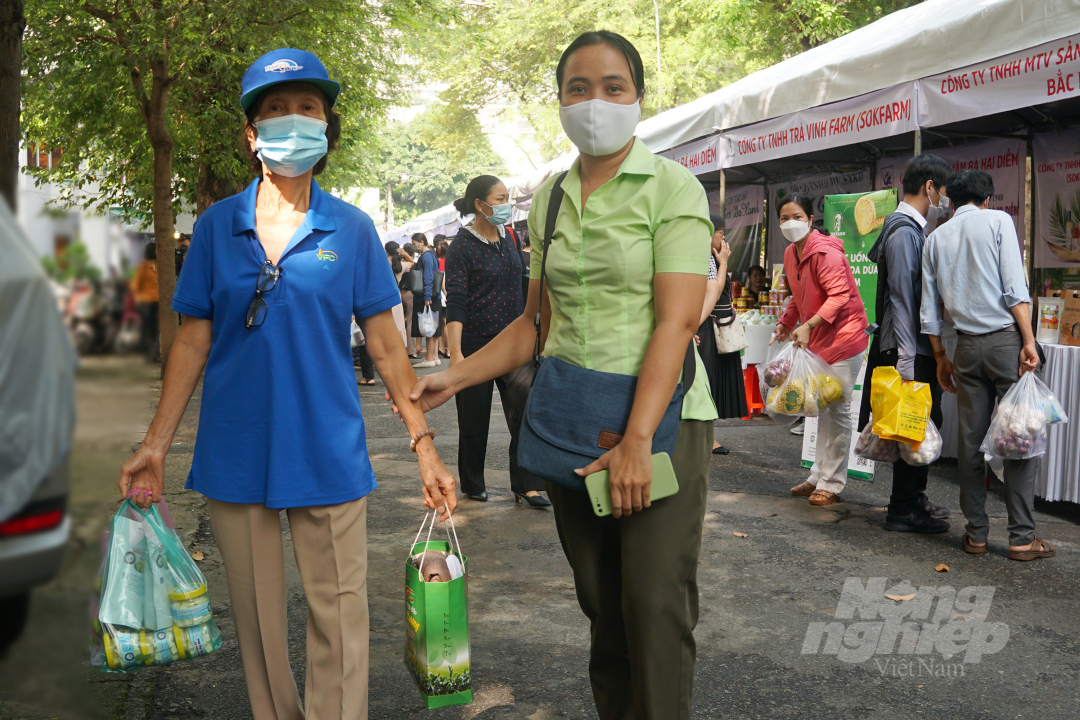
(652, 217)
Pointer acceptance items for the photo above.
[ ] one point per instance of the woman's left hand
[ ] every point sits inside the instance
(801, 336)
(629, 467)
(440, 487)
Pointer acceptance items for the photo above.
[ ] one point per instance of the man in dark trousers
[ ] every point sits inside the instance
(898, 341)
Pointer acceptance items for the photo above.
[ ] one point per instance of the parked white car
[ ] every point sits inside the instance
(37, 421)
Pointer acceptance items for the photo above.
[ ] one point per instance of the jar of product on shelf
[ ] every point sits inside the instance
(190, 605)
(763, 297)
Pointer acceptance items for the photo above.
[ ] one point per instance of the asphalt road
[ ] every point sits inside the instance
(792, 618)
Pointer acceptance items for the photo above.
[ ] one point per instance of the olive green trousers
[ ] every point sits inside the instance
(636, 581)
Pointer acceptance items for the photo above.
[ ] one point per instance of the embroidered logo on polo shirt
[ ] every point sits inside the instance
(283, 66)
(326, 255)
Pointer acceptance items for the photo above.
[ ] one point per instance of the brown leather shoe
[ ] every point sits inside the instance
(824, 497)
(965, 542)
(803, 489)
(1039, 549)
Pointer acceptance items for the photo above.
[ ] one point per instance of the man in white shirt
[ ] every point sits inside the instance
(972, 266)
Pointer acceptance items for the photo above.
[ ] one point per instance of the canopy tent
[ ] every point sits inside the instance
(882, 63)
(933, 37)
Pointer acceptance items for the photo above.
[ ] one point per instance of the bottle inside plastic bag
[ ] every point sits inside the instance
(152, 606)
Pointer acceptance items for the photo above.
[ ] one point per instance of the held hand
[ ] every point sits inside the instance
(430, 391)
(440, 487)
(143, 477)
(780, 334)
(945, 374)
(427, 303)
(1029, 358)
(801, 336)
(629, 468)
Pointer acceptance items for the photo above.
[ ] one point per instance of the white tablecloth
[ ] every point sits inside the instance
(1059, 470)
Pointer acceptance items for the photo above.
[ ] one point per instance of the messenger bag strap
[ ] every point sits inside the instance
(554, 202)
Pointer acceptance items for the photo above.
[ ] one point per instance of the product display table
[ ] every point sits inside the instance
(1059, 469)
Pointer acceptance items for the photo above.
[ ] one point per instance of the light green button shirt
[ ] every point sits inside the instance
(652, 217)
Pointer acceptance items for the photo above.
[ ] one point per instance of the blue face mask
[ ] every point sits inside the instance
(500, 214)
(291, 145)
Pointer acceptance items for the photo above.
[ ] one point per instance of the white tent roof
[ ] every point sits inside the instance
(933, 37)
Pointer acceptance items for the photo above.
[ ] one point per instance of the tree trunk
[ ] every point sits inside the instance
(211, 187)
(162, 143)
(12, 24)
(389, 206)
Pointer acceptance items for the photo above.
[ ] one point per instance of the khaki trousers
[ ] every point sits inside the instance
(330, 546)
(636, 581)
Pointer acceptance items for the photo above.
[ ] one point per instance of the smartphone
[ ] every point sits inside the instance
(664, 484)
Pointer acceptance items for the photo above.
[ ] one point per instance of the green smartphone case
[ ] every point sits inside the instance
(664, 485)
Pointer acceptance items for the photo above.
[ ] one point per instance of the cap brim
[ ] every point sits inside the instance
(330, 87)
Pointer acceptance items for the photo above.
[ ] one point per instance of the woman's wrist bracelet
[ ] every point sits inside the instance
(420, 436)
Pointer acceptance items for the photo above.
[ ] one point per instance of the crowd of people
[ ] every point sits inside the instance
(626, 277)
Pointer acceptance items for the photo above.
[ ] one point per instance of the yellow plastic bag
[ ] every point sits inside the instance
(901, 408)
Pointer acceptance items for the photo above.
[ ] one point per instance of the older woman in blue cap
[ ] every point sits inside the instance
(268, 286)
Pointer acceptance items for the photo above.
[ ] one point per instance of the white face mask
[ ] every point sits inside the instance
(599, 127)
(795, 230)
(935, 211)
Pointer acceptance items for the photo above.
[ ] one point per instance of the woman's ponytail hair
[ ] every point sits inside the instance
(479, 188)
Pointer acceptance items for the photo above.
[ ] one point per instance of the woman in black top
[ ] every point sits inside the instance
(483, 290)
(724, 371)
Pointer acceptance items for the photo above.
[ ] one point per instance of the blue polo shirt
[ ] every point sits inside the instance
(280, 421)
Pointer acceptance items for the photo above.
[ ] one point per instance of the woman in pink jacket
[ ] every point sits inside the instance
(825, 299)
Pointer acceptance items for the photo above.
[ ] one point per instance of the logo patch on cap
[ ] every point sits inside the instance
(283, 66)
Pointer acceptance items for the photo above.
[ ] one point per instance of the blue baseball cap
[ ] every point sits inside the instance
(282, 66)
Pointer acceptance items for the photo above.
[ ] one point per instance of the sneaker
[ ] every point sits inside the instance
(798, 429)
(427, 364)
(917, 521)
(937, 512)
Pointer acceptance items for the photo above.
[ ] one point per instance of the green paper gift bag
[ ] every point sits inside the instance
(437, 628)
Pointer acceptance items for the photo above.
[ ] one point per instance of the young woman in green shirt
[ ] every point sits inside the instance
(625, 283)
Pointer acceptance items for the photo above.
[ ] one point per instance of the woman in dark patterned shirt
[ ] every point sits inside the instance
(483, 296)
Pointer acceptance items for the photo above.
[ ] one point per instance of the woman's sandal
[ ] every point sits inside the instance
(803, 489)
(368, 382)
(824, 497)
(965, 542)
(1039, 549)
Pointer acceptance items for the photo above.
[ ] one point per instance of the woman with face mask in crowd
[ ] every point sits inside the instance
(825, 300)
(483, 289)
(272, 273)
(617, 294)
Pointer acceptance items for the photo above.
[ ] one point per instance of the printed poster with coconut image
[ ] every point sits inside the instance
(857, 219)
(1057, 194)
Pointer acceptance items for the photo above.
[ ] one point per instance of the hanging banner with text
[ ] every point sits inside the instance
(699, 157)
(868, 117)
(1057, 199)
(857, 220)
(817, 186)
(1042, 74)
(1003, 159)
(743, 211)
